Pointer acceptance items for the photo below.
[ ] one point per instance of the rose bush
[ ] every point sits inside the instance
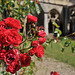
(11, 39)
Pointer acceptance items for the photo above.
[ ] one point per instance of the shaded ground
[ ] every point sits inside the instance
(47, 65)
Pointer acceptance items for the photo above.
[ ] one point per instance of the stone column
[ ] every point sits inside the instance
(46, 23)
(66, 20)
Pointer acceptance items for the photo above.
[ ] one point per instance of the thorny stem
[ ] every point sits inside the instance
(70, 34)
(27, 39)
(25, 48)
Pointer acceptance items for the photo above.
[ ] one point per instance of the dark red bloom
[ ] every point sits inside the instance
(35, 43)
(39, 51)
(25, 60)
(2, 24)
(11, 56)
(2, 52)
(32, 19)
(13, 67)
(14, 23)
(42, 40)
(32, 51)
(41, 33)
(12, 37)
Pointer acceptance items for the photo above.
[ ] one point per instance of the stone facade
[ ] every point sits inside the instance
(61, 11)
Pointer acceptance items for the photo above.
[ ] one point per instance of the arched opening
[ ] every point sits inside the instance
(53, 15)
(72, 21)
(50, 28)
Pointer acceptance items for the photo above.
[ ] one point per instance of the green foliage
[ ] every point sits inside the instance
(18, 9)
(5, 73)
(58, 32)
(62, 49)
(61, 53)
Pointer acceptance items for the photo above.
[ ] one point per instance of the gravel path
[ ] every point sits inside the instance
(47, 65)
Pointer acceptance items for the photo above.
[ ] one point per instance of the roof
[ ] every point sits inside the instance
(59, 2)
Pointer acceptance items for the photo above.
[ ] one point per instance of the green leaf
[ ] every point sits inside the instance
(37, 8)
(2, 10)
(67, 43)
(55, 24)
(5, 73)
(73, 48)
(62, 49)
(57, 32)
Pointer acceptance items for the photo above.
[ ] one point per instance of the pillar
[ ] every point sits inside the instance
(46, 23)
(66, 20)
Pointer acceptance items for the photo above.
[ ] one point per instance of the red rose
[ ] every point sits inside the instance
(41, 34)
(2, 24)
(11, 56)
(35, 43)
(25, 60)
(13, 67)
(12, 37)
(32, 51)
(2, 52)
(31, 18)
(54, 73)
(14, 23)
(39, 51)
(42, 40)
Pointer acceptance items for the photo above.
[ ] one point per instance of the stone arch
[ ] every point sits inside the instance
(72, 21)
(53, 15)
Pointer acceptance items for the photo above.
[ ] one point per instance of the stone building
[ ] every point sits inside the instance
(61, 11)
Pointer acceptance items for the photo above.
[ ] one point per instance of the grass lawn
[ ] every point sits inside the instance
(55, 52)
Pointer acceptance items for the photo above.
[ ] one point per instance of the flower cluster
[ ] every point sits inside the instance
(10, 39)
(38, 49)
(9, 36)
(9, 33)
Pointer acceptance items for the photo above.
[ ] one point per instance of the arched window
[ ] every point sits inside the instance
(53, 15)
(72, 21)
